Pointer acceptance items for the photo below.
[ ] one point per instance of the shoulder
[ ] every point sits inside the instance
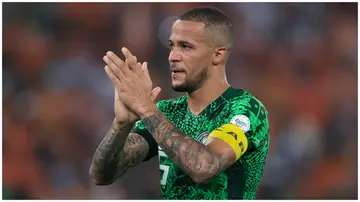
(246, 111)
(240, 96)
(243, 100)
(250, 115)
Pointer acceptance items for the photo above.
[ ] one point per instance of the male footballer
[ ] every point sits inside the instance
(212, 142)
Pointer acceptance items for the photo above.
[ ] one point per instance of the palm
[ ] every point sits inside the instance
(122, 112)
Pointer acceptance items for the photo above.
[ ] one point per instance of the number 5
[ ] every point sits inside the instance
(165, 169)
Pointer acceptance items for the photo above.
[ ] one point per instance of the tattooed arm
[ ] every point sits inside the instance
(117, 152)
(200, 162)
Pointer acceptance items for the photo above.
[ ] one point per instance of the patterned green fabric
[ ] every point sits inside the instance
(241, 180)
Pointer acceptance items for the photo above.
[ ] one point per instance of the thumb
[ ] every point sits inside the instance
(154, 93)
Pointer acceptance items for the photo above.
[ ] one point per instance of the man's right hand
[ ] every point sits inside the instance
(122, 113)
(117, 151)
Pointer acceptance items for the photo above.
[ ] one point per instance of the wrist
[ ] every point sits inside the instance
(147, 111)
(122, 124)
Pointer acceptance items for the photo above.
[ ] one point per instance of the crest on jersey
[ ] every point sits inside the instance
(203, 137)
(242, 121)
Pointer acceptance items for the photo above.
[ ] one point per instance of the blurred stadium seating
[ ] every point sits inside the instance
(300, 59)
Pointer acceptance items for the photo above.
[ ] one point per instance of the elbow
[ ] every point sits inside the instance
(100, 181)
(201, 179)
(198, 180)
(205, 175)
(98, 178)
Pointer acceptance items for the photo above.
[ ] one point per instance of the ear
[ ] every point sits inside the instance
(219, 55)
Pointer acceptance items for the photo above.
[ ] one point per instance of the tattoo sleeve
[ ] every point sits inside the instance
(194, 158)
(117, 152)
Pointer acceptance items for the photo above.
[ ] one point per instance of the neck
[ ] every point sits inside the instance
(211, 89)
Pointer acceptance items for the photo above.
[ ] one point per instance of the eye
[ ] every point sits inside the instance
(185, 46)
(171, 46)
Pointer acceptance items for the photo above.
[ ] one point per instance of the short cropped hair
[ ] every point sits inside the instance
(215, 20)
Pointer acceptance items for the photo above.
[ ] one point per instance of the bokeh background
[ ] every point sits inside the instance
(300, 59)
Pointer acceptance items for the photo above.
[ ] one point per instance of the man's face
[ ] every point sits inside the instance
(190, 55)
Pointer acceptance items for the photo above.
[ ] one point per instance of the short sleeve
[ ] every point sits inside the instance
(250, 116)
(141, 129)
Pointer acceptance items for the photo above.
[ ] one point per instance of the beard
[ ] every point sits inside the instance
(193, 83)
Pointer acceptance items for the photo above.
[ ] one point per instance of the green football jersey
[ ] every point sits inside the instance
(239, 181)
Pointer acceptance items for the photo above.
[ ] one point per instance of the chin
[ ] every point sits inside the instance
(179, 88)
(182, 87)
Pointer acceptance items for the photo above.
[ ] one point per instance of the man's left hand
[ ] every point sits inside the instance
(135, 82)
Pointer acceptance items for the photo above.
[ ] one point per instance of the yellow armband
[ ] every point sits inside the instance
(233, 136)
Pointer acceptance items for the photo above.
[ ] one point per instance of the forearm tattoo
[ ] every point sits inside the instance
(194, 158)
(117, 152)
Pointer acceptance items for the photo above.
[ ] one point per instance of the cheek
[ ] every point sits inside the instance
(195, 74)
(196, 61)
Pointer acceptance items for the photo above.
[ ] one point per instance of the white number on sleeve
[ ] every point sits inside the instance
(165, 170)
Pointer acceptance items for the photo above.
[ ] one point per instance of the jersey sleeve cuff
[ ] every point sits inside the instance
(153, 147)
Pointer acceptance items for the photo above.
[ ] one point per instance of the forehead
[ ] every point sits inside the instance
(188, 31)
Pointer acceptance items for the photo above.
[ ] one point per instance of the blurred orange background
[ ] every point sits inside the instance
(299, 59)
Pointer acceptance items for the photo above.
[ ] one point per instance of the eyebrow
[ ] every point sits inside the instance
(182, 42)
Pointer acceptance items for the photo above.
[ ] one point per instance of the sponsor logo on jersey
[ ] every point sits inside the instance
(203, 137)
(242, 121)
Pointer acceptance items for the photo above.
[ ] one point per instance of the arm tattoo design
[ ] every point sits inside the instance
(194, 158)
(117, 152)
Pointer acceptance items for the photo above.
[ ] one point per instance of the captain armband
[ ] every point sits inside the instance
(233, 136)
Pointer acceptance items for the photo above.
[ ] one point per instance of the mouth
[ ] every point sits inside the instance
(177, 71)
(176, 74)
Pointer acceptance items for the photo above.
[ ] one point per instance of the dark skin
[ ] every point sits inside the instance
(191, 53)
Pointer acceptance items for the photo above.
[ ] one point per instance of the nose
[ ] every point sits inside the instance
(174, 56)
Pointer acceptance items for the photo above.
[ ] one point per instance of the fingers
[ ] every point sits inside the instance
(112, 56)
(114, 79)
(123, 67)
(146, 74)
(154, 93)
(138, 69)
(126, 69)
(131, 59)
(145, 70)
(117, 70)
